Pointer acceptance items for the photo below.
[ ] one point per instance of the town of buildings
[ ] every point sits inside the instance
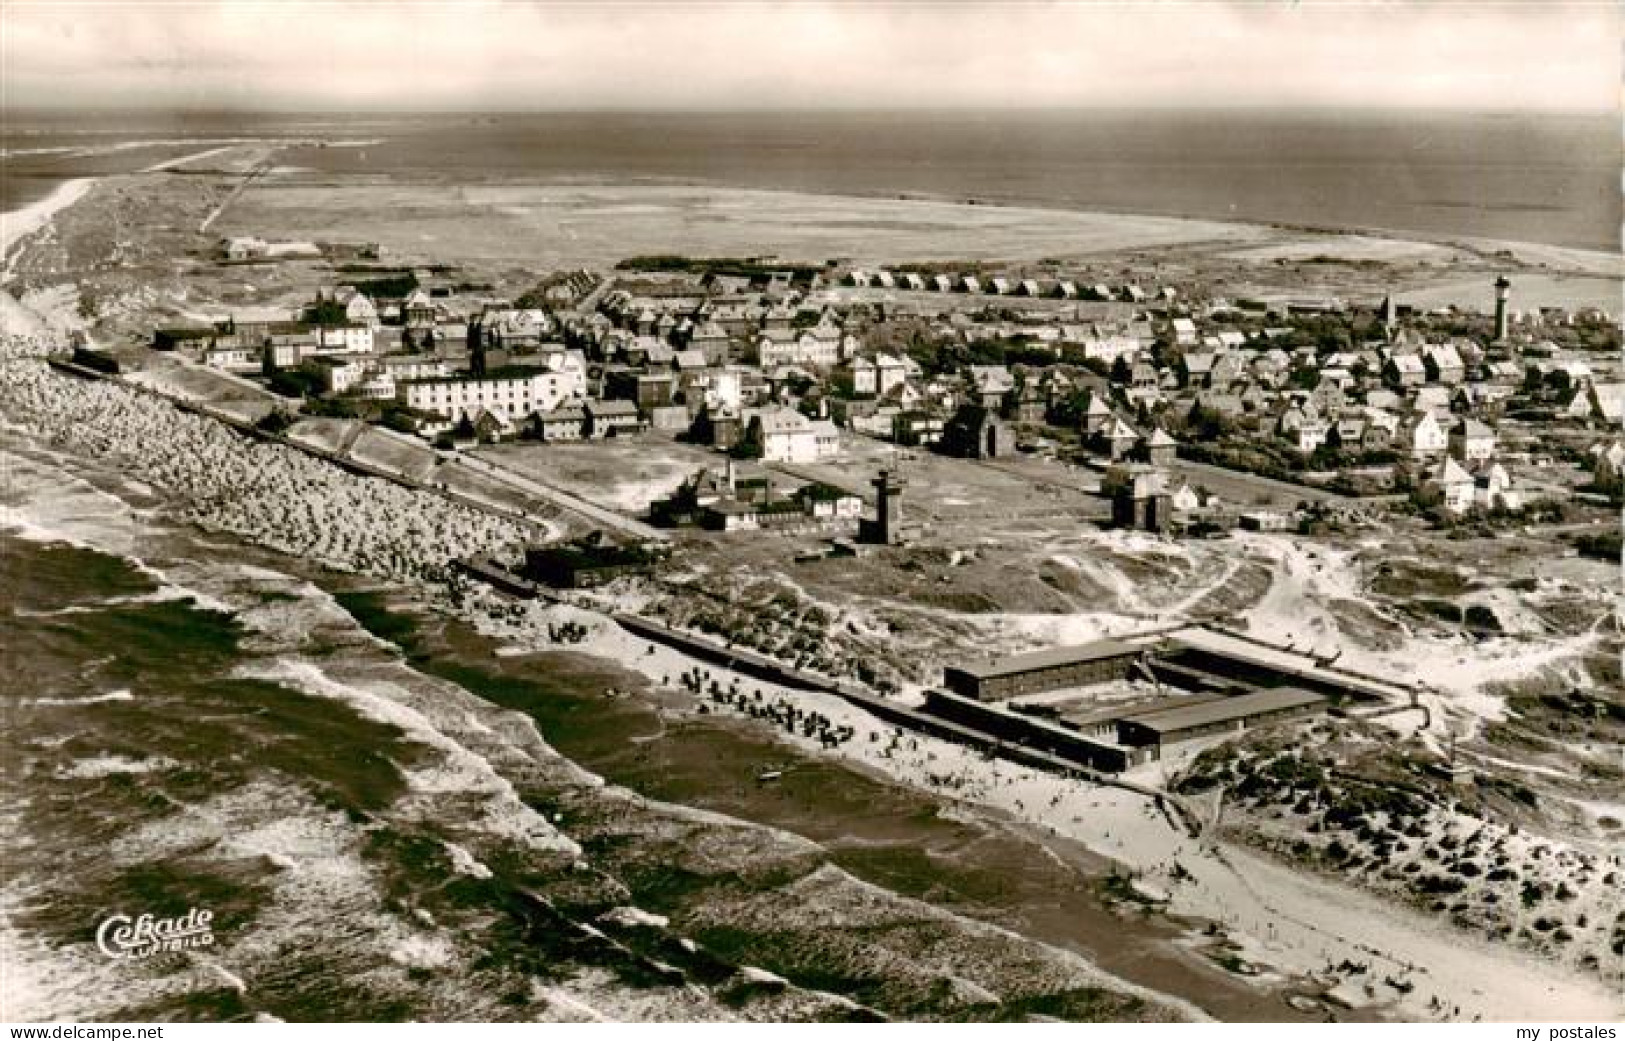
(1448, 415)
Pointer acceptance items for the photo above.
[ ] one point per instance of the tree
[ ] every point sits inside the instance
(326, 312)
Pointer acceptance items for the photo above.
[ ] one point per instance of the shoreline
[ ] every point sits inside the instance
(17, 225)
(1581, 256)
(1592, 262)
(1544, 260)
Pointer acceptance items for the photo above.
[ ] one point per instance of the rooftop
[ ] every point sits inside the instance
(1049, 658)
(1189, 717)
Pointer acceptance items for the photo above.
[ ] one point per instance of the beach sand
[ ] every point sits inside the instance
(19, 224)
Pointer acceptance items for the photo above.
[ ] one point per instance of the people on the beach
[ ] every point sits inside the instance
(270, 494)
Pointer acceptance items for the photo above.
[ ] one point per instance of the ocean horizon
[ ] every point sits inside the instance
(1541, 178)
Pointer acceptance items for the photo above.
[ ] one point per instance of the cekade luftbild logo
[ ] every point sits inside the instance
(121, 937)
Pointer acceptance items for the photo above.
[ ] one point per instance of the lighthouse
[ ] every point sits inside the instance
(1503, 290)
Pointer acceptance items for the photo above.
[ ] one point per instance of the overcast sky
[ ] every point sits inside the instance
(1431, 53)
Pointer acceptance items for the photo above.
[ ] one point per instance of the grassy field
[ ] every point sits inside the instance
(567, 225)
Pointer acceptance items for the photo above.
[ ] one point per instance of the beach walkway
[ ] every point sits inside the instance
(565, 500)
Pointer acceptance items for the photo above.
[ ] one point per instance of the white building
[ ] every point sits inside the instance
(411, 367)
(512, 393)
(232, 359)
(879, 375)
(1472, 441)
(1101, 343)
(787, 436)
(349, 338)
(822, 346)
(338, 374)
(359, 309)
(1454, 485)
(1426, 436)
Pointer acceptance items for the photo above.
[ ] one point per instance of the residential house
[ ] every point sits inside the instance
(912, 427)
(1327, 398)
(1117, 439)
(1424, 436)
(877, 376)
(418, 310)
(1454, 485)
(1101, 343)
(1608, 466)
(828, 504)
(1431, 399)
(1599, 401)
(233, 358)
(568, 422)
(1159, 449)
(348, 338)
(612, 418)
(338, 375)
(1227, 368)
(1404, 371)
(1471, 441)
(711, 340)
(244, 248)
(1195, 367)
(782, 435)
(1097, 415)
(1442, 364)
(989, 384)
(1492, 489)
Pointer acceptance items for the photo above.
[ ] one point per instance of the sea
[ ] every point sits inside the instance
(1521, 177)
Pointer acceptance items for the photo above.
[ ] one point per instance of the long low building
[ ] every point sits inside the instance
(513, 392)
(1172, 725)
(1050, 669)
(1000, 724)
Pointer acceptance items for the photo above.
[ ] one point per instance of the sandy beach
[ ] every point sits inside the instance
(19, 224)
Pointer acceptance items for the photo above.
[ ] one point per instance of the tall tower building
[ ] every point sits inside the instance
(888, 528)
(888, 507)
(1503, 291)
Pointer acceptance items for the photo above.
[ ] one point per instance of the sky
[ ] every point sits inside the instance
(478, 56)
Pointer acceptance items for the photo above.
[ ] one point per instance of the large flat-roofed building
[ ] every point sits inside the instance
(1051, 669)
(1170, 725)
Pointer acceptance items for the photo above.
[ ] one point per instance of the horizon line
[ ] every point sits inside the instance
(112, 107)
